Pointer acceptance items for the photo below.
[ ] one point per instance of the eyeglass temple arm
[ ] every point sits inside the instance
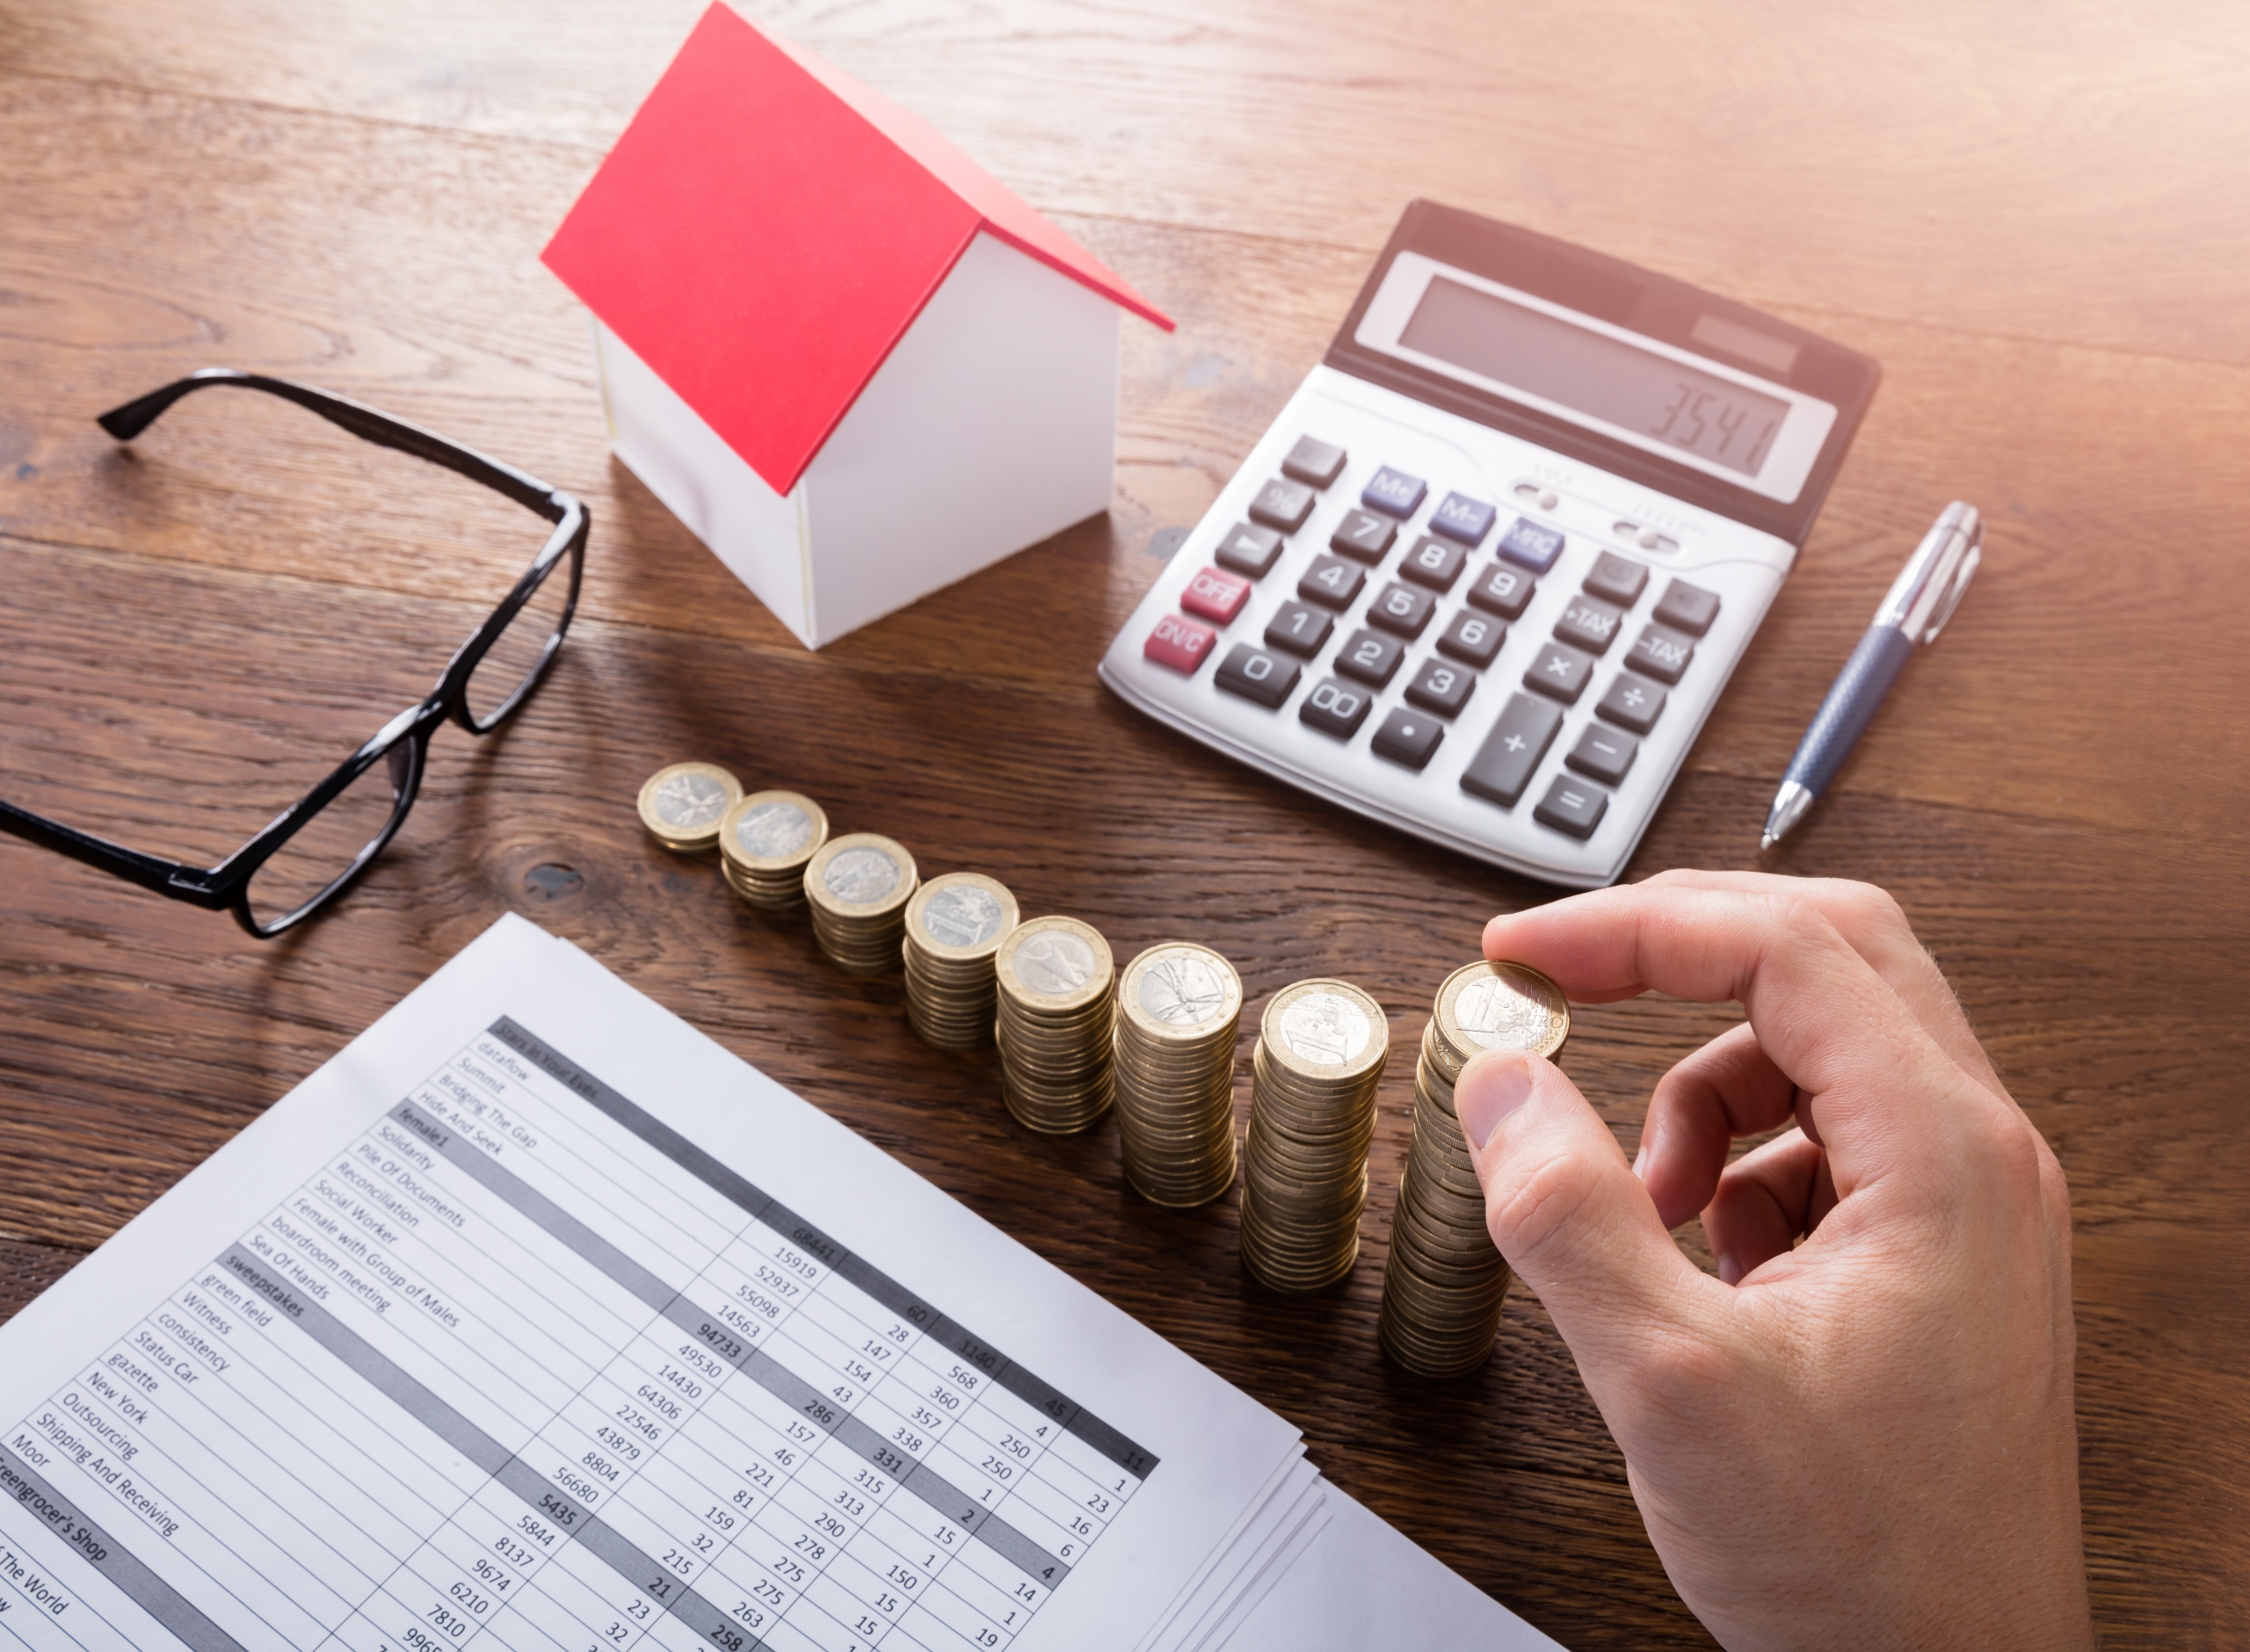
(128, 421)
(151, 871)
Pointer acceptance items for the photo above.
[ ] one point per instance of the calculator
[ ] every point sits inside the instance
(1486, 575)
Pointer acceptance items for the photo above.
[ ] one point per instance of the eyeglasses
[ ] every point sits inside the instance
(313, 851)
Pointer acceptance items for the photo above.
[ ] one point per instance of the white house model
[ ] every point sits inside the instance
(856, 367)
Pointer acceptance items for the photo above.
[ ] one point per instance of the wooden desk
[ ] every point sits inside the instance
(2036, 219)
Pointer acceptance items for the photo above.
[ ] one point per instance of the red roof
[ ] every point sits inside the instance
(767, 228)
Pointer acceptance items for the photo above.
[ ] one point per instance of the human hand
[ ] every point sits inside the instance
(1862, 1439)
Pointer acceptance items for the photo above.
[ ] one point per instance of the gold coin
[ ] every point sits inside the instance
(1326, 1031)
(860, 875)
(1177, 992)
(772, 832)
(683, 804)
(961, 917)
(1054, 965)
(1502, 1006)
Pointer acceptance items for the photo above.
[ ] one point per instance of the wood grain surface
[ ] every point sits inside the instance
(2036, 215)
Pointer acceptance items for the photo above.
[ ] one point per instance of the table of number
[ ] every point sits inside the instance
(522, 1368)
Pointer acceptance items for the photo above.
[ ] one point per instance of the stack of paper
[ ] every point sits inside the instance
(534, 1319)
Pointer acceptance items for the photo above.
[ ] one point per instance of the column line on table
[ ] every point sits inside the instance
(840, 1259)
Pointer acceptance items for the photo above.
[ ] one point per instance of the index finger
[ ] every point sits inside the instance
(1819, 1010)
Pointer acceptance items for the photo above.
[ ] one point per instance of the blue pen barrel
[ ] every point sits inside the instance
(1843, 717)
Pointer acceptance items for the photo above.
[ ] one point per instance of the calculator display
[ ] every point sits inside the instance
(1700, 413)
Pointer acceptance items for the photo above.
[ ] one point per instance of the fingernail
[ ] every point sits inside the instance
(1640, 1158)
(1490, 1088)
(1729, 1270)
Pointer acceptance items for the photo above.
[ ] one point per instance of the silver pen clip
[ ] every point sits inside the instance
(1930, 587)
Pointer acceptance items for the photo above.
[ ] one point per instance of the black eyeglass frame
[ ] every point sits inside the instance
(403, 742)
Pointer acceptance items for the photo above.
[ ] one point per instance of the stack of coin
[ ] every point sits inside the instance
(682, 804)
(1179, 1005)
(954, 924)
(765, 843)
(858, 886)
(1320, 1051)
(1055, 1012)
(1442, 1288)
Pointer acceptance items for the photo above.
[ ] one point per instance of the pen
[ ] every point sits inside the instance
(1919, 602)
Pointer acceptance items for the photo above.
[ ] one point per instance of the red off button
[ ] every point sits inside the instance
(1215, 596)
(1179, 643)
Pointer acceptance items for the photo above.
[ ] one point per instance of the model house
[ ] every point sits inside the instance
(854, 365)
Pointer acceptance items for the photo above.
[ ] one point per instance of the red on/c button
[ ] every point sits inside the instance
(1179, 643)
(1215, 596)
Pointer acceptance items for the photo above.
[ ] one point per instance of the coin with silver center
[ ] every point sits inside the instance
(860, 875)
(1325, 1027)
(962, 915)
(772, 831)
(681, 804)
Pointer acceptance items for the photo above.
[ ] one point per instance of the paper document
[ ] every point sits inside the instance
(536, 1321)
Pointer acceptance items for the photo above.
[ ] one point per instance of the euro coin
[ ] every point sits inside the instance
(1444, 1281)
(1056, 1012)
(682, 804)
(858, 887)
(955, 925)
(1179, 1008)
(765, 841)
(1314, 1071)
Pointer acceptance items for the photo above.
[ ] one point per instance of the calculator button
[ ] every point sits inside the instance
(1371, 657)
(1332, 580)
(1434, 563)
(1560, 672)
(1618, 579)
(1403, 609)
(1257, 675)
(1300, 629)
(1662, 653)
(1364, 535)
(1473, 638)
(1394, 491)
(1461, 517)
(1318, 463)
(1632, 702)
(1530, 544)
(1407, 738)
(1503, 591)
(1249, 550)
(1687, 607)
(1442, 686)
(1336, 708)
(1602, 753)
(1572, 806)
(1503, 763)
(1179, 643)
(1282, 505)
(1215, 596)
(1589, 624)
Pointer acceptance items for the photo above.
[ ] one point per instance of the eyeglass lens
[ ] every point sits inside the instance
(326, 849)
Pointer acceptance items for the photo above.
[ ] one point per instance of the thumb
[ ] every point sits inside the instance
(1568, 1214)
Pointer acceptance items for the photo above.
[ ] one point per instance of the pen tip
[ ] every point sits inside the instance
(1765, 841)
